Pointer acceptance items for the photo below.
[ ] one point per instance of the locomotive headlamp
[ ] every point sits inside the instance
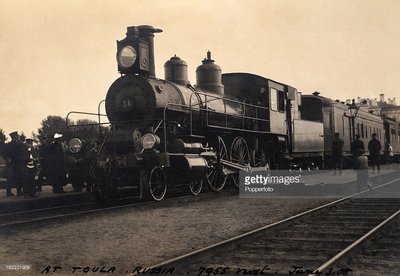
(126, 57)
(149, 141)
(75, 145)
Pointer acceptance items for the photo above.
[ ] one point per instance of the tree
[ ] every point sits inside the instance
(84, 129)
(3, 137)
(50, 126)
(87, 130)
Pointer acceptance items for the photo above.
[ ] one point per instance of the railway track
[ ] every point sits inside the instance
(381, 255)
(313, 242)
(53, 214)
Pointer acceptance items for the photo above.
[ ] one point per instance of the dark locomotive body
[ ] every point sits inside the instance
(168, 131)
(167, 134)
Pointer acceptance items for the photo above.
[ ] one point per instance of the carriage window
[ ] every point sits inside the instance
(274, 99)
(281, 101)
(362, 130)
(343, 124)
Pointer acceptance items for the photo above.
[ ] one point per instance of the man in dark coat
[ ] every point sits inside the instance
(357, 146)
(12, 154)
(27, 168)
(44, 162)
(337, 153)
(56, 167)
(374, 148)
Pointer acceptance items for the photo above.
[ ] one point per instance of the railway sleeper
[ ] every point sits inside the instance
(367, 211)
(285, 261)
(382, 253)
(346, 213)
(290, 246)
(331, 233)
(280, 250)
(358, 229)
(321, 223)
(371, 262)
(348, 219)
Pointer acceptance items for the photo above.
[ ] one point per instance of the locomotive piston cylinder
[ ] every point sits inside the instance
(188, 167)
(178, 145)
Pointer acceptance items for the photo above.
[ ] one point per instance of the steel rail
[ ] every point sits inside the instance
(45, 209)
(354, 246)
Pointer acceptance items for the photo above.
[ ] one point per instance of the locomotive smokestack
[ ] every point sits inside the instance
(208, 55)
(146, 32)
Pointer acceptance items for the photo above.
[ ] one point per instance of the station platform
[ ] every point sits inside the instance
(44, 198)
(331, 177)
(331, 183)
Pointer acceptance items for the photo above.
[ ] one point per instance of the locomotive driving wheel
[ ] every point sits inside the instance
(260, 159)
(215, 176)
(240, 155)
(157, 183)
(196, 186)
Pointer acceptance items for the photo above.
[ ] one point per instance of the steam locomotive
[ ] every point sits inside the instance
(167, 133)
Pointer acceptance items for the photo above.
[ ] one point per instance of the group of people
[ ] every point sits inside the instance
(22, 162)
(360, 161)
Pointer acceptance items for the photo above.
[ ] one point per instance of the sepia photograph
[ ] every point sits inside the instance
(199, 137)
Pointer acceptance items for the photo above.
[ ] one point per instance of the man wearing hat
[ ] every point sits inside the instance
(56, 169)
(28, 168)
(44, 161)
(12, 152)
(374, 148)
(337, 153)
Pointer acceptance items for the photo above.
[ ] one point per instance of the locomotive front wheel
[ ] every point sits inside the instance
(157, 183)
(196, 186)
(240, 155)
(215, 176)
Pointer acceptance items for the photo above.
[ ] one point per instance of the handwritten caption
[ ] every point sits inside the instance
(202, 271)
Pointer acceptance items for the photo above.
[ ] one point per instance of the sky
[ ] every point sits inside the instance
(59, 56)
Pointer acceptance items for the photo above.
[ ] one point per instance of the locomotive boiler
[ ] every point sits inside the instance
(166, 133)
